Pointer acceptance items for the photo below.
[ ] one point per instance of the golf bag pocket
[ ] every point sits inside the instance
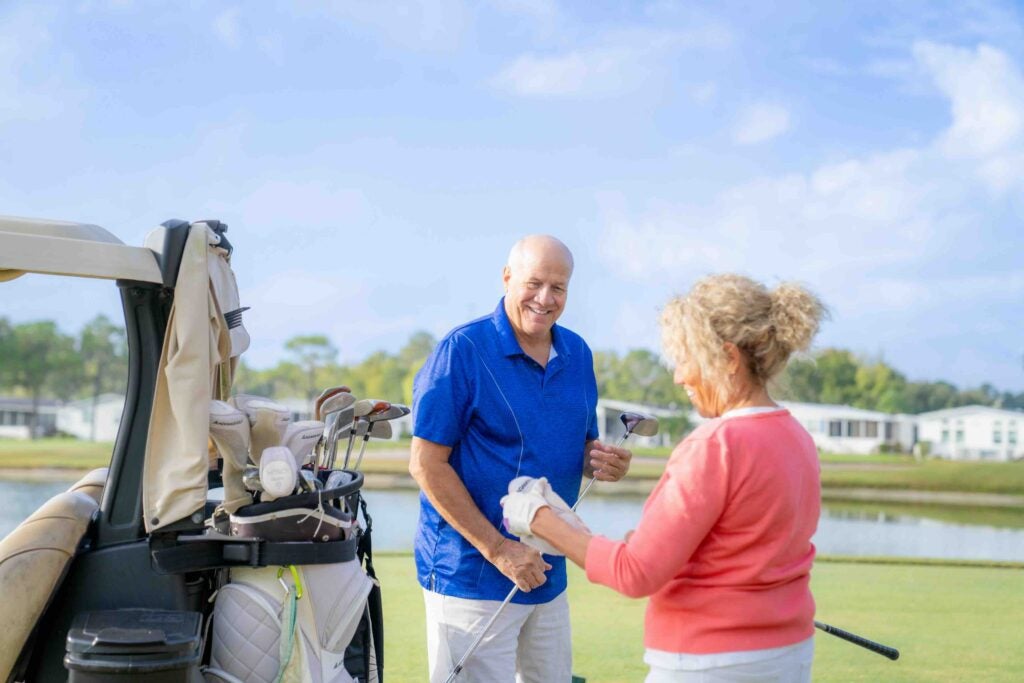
(248, 618)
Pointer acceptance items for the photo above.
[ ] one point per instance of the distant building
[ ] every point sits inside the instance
(849, 430)
(973, 433)
(90, 421)
(16, 418)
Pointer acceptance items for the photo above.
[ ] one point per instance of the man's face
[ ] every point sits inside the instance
(535, 291)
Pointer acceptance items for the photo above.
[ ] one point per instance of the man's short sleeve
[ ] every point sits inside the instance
(441, 395)
(592, 431)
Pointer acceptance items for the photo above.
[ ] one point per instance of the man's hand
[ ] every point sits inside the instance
(520, 563)
(608, 463)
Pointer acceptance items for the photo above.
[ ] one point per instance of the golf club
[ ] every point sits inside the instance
(381, 419)
(301, 437)
(324, 395)
(377, 430)
(884, 650)
(635, 423)
(331, 411)
(358, 409)
(370, 407)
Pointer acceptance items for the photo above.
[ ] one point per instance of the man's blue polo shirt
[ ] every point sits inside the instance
(503, 416)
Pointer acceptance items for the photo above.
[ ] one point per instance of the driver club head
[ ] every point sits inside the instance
(639, 424)
(394, 411)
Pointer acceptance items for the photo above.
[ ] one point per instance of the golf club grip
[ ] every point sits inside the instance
(884, 650)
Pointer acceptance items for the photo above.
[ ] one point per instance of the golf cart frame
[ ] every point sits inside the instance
(89, 549)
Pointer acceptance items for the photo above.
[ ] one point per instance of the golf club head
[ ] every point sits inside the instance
(301, 437)
(333, 403)
(365, 406)
(380, 430)
(251, 478)
(639, 424)
(324, 395)
(229, 429)
(394, 411)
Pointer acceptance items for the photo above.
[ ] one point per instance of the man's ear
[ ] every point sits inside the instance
(735, 357)
(506, 274)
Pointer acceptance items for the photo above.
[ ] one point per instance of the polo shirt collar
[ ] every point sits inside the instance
(507, 336)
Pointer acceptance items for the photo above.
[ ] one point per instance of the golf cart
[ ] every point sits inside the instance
(139, 571)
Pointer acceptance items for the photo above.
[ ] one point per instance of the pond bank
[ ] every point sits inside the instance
(632, 487)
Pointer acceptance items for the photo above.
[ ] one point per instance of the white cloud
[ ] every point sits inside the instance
(614, 64)
(761, 122)
(226, 27)
(864, 232)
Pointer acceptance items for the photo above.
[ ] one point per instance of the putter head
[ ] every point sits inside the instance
(639, 424)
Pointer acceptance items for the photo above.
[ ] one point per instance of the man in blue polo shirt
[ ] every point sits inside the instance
(506, 395)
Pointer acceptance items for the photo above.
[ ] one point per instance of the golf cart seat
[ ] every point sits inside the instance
(34, 559)
(92, 483)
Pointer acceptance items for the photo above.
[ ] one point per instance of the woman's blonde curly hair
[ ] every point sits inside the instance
(767, 326)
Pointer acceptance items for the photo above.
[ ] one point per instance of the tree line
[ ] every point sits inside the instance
(38, 360)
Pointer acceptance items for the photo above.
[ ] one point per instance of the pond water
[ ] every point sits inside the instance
(853, 530)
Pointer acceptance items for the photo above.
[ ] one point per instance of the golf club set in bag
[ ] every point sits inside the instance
(317, 621)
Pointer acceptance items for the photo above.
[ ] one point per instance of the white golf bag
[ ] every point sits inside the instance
(311, 619)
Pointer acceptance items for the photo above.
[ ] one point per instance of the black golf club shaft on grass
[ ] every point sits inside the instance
(884, 650)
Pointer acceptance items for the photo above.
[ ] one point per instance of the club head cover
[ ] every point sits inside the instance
(278, 472)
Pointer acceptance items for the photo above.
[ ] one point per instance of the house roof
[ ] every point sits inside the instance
(29, 245)
(639, 408)
(23, 404)
(836, 411)
(964, 411)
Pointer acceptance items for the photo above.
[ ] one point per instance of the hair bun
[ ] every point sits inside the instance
(796, 315)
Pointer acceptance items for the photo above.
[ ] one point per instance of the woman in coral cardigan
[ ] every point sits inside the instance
(723, 548)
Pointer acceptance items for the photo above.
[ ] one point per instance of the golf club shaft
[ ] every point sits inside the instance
(884, 650)
(586, 489)
(515, 589)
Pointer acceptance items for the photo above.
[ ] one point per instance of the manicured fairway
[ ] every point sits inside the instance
(950, 623)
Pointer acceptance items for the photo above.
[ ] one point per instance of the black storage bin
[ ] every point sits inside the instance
(145, 645)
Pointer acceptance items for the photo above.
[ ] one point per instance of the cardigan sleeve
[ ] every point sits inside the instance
(679, 514)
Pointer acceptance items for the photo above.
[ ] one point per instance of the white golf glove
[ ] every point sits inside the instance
(527, 495)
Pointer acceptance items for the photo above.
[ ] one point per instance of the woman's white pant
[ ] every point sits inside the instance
(527, 644)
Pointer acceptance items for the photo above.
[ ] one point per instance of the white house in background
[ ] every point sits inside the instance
(610, 427)
(845, 429)
(973, 433)
(76, 417)
(16, 418)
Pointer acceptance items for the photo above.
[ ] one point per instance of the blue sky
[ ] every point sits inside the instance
(376, 160)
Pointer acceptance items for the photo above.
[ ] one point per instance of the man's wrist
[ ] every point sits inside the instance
(491, 550)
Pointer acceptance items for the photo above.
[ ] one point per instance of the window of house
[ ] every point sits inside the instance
(960, 435)
(997, 432)
(1011, 432)
(853, 427)
(871, 429)
(945, 436)
(835, 428)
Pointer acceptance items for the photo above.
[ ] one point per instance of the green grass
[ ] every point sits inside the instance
(54, 453)
(950, 623)
(905, 473)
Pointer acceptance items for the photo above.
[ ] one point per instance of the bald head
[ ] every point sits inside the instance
(538, 248)
(536, 286)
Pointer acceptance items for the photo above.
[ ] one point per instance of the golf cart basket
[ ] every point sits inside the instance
(136, 573)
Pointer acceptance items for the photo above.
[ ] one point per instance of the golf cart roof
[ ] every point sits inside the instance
(30, 245)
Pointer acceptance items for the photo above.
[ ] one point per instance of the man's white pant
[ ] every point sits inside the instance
(527, 643)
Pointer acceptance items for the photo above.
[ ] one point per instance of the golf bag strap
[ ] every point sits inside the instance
(200, 555)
